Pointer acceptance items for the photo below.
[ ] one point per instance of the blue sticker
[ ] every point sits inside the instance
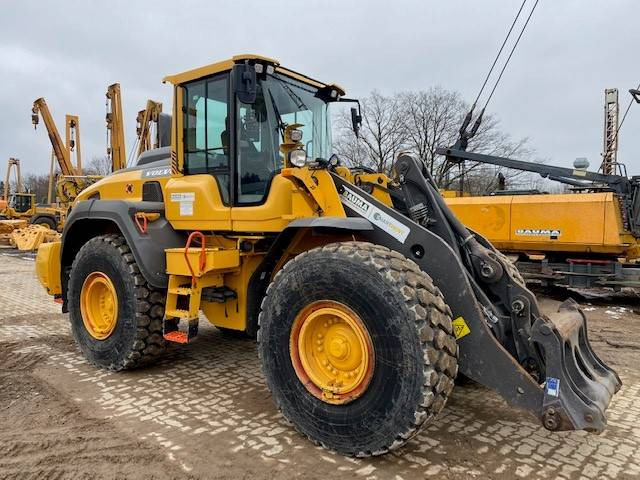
(553, 386)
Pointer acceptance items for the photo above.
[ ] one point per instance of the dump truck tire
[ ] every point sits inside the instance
(104, 279)
(394, 309)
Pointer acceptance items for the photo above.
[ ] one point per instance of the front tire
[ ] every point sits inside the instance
(387, 310)
(116, 317)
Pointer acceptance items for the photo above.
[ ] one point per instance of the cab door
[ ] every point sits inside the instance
(200, 200)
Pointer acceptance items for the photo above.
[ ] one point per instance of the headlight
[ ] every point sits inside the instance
(296, 135)
(298, 157)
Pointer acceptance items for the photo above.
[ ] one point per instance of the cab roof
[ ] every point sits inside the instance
(226, 65)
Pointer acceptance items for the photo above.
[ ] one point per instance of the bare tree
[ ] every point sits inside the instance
(98, 166)
(381, 136)
(421, 122)
(432, 119)
(37, 184)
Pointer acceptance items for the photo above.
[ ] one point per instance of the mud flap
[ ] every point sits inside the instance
(579, 386)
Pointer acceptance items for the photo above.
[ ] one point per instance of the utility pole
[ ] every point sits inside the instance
(610, 149)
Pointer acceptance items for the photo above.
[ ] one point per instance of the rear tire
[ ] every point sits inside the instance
(136, 339)
(49, 222)
(408, 323)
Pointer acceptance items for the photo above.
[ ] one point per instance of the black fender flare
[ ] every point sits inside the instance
(261, 277)
(90, 218)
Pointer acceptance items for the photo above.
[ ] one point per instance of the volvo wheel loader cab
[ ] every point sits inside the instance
(366, 294)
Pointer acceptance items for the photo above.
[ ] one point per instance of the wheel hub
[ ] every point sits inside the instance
(99, 305)
(332, 352)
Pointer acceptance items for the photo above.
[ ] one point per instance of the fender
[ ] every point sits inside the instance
(261, 278)
(90, 218)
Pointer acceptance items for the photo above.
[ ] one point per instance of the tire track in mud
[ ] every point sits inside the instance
(46, 436)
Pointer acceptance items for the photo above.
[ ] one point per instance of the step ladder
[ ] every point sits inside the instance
(181, 287)
(195, 275)
(183, 304)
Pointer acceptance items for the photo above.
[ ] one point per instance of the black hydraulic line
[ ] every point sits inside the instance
(625, 113)
(510, 54)
(495, 61)
(465, 136)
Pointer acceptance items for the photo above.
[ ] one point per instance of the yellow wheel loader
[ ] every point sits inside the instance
(367, 296)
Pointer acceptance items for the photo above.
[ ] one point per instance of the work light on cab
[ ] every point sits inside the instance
(298, 157)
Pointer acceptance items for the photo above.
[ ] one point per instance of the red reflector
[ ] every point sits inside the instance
(58, 300)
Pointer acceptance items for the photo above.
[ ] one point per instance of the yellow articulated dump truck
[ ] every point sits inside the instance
(585, 239)
(366, 295)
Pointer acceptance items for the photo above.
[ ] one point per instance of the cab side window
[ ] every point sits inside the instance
(206, 137)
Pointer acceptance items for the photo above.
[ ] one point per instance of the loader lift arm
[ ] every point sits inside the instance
(512, 347)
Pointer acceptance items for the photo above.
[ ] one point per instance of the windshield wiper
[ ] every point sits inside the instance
(294, 96)
(281, 125)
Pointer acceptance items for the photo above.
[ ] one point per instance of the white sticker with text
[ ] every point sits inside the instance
(376, 216)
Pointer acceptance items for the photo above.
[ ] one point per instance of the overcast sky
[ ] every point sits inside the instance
(552, 91)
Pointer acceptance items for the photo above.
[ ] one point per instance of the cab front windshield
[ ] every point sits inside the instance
(296, 103)
(280, 101)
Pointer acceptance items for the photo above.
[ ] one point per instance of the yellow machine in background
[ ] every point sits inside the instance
(19, 204)
(365, 293)
(116, 150)
(146, 120)
(71, 181)
(575, 239)
(586, 238)
(22, 205)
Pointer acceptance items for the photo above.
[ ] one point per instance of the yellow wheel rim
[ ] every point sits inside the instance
(331, 352)
(99, 305)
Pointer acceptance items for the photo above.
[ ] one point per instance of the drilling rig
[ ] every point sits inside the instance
(587, 238)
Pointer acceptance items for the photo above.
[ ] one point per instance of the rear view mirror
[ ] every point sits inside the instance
(356, 120)
(245, 82)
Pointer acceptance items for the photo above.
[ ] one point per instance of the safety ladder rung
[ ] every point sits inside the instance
(177, 313)
(177, 337)
(181, 290)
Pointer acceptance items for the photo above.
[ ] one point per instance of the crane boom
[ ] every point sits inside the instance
(72, 140)
(115, 128)
(143, 126)
(13, 162)
(610, 149)
(63, 155)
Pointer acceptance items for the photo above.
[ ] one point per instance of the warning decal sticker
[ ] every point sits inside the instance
(460, 328)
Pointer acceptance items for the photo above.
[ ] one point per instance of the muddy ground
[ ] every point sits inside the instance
(204, 411)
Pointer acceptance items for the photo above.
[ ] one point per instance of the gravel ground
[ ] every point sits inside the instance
(204, 411)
